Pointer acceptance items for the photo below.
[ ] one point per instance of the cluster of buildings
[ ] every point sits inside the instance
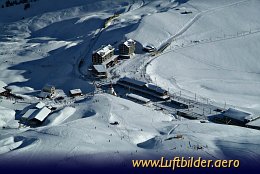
(49, 91)
(230, 116)
(6, 92)
(105, 57)
(237, 117)
(35, 114)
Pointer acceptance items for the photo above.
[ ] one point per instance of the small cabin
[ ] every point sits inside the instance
(76, 92)
(35, 114)
(100, 70)
(29, 113)
(149, 48)
(39, 117)
(5, 91)
(49, 89)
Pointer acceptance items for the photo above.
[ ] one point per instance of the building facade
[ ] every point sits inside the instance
(49, 89)
(127, 48)
(102, 55)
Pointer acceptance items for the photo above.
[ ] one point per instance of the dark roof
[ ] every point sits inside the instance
(237, 114)
(132, 81)
(149, 86)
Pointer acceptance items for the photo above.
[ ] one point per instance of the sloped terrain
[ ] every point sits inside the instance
(217, 57)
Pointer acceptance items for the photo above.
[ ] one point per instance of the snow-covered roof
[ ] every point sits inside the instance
(155, 88)
(35, 106)
(237, 114)
(132, 81)
(129, 42)
(39, 105)
(105, 50)
(41, 114)
(137, 97)
(100, 68)
(75, 91)
(29, 113)
(150, 47)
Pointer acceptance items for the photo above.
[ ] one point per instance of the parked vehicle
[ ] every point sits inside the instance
(149, 48)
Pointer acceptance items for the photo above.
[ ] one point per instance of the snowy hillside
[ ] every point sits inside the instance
(213, 56)
(223, 65)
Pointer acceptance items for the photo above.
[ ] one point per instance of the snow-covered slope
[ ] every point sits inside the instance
(88, 132)
(7, 116)
(217, 57)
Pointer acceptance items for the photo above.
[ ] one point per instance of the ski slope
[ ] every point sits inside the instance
(223, 65)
